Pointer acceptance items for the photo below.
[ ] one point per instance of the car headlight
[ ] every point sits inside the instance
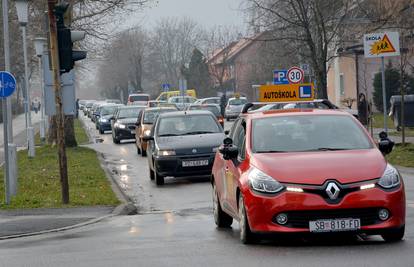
(120, 125)
(263, 183)
(166, 153)
(147, 133)
(103, 120)
(390, 178)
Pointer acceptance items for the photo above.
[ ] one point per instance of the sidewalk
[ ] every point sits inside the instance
(19, 127)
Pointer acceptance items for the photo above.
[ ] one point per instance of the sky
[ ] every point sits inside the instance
(206, 12)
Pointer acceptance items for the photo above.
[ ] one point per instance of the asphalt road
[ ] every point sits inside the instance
(175, 227)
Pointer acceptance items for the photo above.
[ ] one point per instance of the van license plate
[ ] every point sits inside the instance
(195, 163)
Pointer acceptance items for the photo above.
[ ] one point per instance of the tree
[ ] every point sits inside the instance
(311, 27)
(392, 86)
(197, 74)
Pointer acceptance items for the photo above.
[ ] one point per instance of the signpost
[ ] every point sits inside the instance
(287, 92)
(280, 77)
(166, 87)
(386, 44)
(7, 87)
(295, 75)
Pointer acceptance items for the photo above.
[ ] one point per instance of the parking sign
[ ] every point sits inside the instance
(280, 77)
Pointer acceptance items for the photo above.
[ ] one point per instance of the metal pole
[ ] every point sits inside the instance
(10, 165)
(384, 94)
(30, 130)
(42, 102)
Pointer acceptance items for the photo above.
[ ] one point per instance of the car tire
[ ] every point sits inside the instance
(101, 131)
(246, 235)
(143, 152)
(151, 173)
(222, 219)
(394, 236)
(159, 180)
(138, 150)
(116, 140)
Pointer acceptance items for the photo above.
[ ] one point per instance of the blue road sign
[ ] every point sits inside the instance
(305, 91)
(7, 84)
(166, 87)
(280, 77)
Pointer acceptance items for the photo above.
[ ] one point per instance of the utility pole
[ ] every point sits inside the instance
(54, 54)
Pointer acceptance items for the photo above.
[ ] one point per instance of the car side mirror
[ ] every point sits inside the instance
(226, 132)
(229, 152)
(385, 145)
(148, 138)
(227, 141)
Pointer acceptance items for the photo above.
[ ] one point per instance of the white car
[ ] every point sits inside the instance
(234, 107)
(182, 102)
(138, 99)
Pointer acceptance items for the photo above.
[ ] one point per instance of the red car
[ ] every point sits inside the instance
(306, 171)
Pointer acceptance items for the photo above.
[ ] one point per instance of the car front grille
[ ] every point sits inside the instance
(300, 219)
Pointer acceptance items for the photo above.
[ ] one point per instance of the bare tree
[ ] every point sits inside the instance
(311, 27)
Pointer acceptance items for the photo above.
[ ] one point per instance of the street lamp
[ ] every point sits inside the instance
(22, 7)
(39, 44)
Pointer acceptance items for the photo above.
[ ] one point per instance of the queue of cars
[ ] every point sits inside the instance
(283, 168)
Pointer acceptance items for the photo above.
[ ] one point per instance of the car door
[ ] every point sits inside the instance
(232, 172)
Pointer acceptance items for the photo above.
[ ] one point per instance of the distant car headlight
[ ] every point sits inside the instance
(263, 183)
(120, 125)
(166, 153)
(103, 120)
(147, 133)
(390, 178)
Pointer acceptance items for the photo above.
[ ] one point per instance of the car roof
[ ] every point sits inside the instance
(203, 105)
(294, 112)
(132, 107)
(160, 108)
(232, 98)
(185, 113)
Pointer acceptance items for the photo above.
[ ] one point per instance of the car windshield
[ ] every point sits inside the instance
(151, 115)
(212, 109)
(237, 102)
(182, 100)
(108, 110)
(307, 133)
(129, 112)
(188, 125)
(134, 98)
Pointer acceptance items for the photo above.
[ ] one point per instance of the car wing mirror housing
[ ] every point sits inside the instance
(229, 152)
(385, 145)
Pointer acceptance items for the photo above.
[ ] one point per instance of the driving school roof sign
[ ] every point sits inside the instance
(286, 92)
(384, 44)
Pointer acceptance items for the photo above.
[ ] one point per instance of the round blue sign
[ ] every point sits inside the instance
(7, 84)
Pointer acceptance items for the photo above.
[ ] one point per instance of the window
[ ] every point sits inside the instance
(239, 137)
(341, 84)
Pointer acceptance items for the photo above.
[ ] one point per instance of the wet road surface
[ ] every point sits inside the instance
(175, 227)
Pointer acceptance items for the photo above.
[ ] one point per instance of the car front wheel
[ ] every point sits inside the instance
(246, 235)
(222, 219)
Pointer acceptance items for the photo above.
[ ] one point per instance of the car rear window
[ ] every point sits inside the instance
(307, 133)
(212, 109)
(134, 98)
(237, 102)
(151, 115)
(187, 125)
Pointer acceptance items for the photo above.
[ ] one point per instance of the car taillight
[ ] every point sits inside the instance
(220, 119)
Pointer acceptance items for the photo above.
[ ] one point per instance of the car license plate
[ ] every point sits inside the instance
(195, 163)
(334, 225)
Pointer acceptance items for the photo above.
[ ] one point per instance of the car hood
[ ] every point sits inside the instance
(203, 143)
(127, 120)
(347, 166)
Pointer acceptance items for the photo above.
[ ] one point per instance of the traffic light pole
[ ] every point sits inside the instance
(58, 100)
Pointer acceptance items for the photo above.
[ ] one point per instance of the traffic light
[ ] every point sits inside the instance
(66, 37)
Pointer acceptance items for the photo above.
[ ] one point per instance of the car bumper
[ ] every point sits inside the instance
(124, 133)
(173, 165)
(302, 207)
(105, 126)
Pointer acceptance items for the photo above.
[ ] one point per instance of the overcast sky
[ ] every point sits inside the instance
(206, 12)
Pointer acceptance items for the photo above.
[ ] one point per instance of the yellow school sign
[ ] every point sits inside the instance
(286, 92)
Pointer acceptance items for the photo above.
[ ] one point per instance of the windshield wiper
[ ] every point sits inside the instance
(198, 132)
(271, 151)
(327, 149)
(166, 135)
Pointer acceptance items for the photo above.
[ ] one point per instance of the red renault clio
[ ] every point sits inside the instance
(306, 171)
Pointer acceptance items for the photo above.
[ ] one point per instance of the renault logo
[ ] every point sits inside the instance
(194, 150)
(332, 190)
